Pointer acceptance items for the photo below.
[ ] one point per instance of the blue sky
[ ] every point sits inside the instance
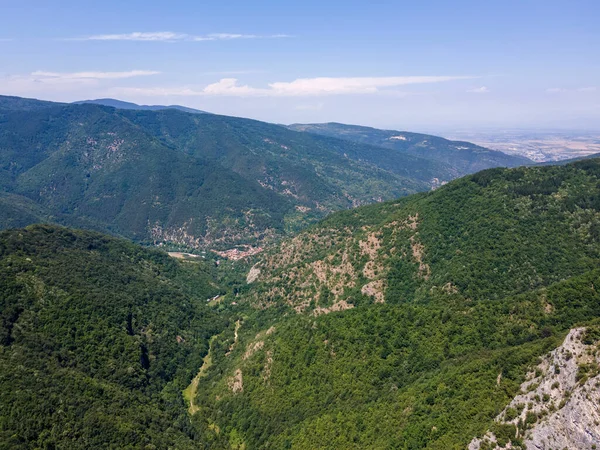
(426, 65)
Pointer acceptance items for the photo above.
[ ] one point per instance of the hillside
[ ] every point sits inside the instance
(417, 323)
(11, 103)
(92, 167)
(97, 339)
(465, 157)
(188, 180)
(128, 105)
(410, 324)
(496, 233)
(239, 143)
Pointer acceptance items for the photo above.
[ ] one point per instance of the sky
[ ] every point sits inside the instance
(412, 65)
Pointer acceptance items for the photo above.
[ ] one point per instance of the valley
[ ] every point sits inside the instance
(225, 283)
(190, 392)
(537, 145)
(411, 323)
(317, 225)
(186, 181)
(414, 322)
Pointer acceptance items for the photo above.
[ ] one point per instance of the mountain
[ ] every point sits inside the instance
(128, 105)
(414, 323)
(464, 156)
(8, 103)
(92, 166)
(573, 387)
(489, 235)
(97, 339)
(562, 162)
(194, 180)
(431, 321)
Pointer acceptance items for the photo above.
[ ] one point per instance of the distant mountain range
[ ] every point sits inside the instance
(128, 105)
(195, 180)
(463, 156)
(11, 103)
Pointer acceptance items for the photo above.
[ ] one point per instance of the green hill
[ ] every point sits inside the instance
(97, 339)
(268, 152)
(92, 165)
(11, 103)
(191, 180)
(409, 324)
(465, 157)
(195, 180)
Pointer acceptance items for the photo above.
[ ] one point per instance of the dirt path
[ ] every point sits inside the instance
(189, 394)
(238, 324)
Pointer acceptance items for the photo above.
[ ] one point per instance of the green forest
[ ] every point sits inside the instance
(407, 324)
(507, 265)
(97, 339)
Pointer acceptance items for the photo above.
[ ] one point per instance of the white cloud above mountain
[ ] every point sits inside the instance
(171, 36)
(319, 86)
(92, 75)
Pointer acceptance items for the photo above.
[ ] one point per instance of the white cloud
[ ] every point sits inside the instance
(358, 85)
(170, 36)
(92, 75)
(229, 86)
(479, 90)
(587, 89)
(555, 90)
(60, 85)
(297, 88)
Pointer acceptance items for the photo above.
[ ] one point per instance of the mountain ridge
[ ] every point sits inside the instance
(285, 179)
(464, 156)
(120, 104)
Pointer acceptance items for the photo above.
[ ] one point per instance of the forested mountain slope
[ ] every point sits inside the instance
(196, 180)
(496, 233)
(272, 153)
(413, 323)
(465, 157)
(97, 339)
(87, 164)
(408, 324)
(11, 103)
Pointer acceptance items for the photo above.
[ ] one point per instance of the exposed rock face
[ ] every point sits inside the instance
(560, 404)
(374, 289)
(252, 274)
(236, 382)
